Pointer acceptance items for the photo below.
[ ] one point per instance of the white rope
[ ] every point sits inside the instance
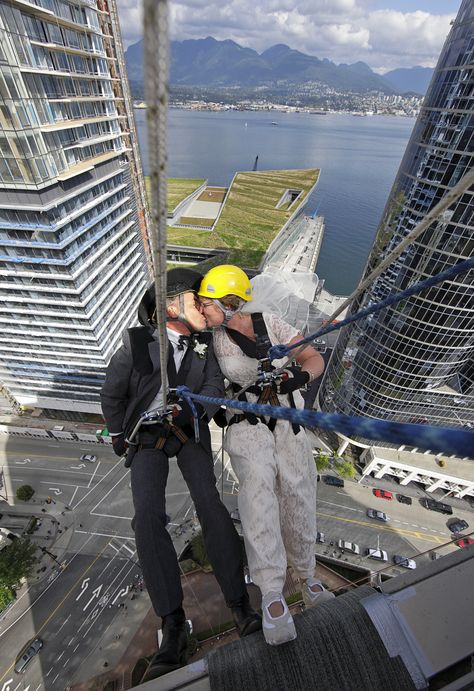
(155, 32)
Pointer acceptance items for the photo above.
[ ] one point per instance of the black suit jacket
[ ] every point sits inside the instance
(133, 379)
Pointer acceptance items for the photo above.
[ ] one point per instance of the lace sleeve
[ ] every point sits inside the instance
(282, 331)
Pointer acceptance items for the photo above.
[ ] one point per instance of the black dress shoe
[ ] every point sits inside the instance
(246, 619)
(173, 652)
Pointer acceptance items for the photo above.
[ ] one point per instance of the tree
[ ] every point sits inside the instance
(322, 460)
(345, 469)
(25, 492)
(6, 596)
(16, 562)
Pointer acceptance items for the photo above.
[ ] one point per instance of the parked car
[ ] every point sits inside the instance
(403, 499)
(333, 480)
(434, 505)
(379, 554)
(348, 546)
(31, 649)
(465, 542)
(320, 537)
(383, 494)
(88, 458)
(404, 561)
(458, 526)
(379, 515)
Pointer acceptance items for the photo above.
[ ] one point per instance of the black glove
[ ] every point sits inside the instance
(296, 379)
(220, 418)
(119, 444)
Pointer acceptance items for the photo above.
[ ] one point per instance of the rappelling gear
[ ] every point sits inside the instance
(268, 380)
(155, 427)
(226, 280)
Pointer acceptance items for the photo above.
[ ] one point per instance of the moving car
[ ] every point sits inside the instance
(348, 546)
(403, 499)
(332, 480)
(320, 537)
(383, 494)
(404, 561)
(434, 505)
(88, 458)
(31, 649)
(379, 554)
(465, 542)
(379, 515)
(458, 526)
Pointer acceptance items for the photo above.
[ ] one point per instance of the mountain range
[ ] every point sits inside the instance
(211, 63)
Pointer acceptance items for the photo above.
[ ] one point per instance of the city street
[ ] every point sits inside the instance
(83, 610)
(74, 614)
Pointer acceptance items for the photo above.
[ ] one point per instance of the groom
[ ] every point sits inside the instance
(132, 386)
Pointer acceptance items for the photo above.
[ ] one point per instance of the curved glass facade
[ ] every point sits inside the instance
(413, 362)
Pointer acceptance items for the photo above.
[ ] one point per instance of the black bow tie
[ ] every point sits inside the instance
(182, 342)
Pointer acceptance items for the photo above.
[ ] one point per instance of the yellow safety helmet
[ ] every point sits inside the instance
(226, 280)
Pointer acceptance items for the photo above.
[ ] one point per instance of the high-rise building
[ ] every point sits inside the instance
(73, 227)
(413, 362)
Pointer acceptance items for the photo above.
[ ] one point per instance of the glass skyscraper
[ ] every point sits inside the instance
(73, 222)
(413, 362)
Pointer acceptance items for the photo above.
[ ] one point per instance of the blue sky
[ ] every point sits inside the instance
(386, 34)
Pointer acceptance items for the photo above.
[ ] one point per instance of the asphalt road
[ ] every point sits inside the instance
(72, 613)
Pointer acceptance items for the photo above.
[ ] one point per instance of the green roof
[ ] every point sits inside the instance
(178, 189)
(250, 220)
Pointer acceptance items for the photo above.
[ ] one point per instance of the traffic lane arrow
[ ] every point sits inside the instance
(84, 586)
(95, 594)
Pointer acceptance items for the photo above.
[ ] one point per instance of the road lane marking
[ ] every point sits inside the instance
(77, 646)
(57, 675)
(63, 624)
(340, 506)
(120, 537)
(378, 527)
(66, 662)
(93, 474)
(58, 658)
(43, 626)
(102, 499)
(49, 672)
(114, 467)
(111, 515)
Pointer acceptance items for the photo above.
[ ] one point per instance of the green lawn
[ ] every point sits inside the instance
(250, 220)
(178, 189)
(194, 221)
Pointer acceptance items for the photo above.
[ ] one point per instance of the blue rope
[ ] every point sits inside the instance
(438, 439)
(279, 351)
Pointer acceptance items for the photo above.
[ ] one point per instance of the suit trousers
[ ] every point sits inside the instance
(156, 553)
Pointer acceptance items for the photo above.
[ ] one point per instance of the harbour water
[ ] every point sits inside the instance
(358, 158)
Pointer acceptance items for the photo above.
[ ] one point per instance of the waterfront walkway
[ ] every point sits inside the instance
(298, 247)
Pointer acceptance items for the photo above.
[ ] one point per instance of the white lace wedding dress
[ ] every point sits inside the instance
(276, 473)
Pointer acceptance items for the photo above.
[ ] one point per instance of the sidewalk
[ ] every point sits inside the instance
(52, 535)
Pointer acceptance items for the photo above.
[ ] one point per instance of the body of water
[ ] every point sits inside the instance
(358, 157)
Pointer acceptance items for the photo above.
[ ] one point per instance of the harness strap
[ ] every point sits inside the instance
(258, 350)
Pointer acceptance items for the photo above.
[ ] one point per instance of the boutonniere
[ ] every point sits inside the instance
(200, 348)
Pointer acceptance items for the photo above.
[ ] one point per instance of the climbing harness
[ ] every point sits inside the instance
(265, 387)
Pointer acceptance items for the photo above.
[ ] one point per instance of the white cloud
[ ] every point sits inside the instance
(341, 30)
